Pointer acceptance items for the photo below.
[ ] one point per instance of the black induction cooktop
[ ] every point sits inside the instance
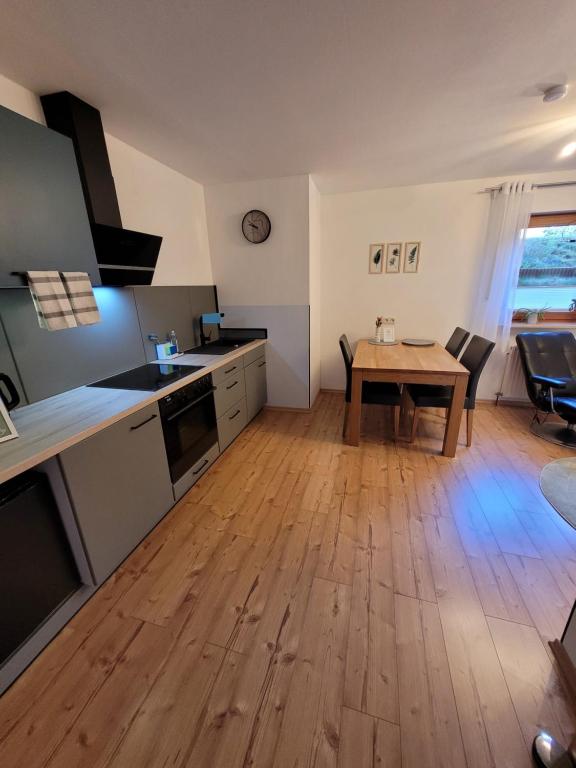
(149, 377)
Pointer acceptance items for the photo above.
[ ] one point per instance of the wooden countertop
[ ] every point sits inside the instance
(49, 426)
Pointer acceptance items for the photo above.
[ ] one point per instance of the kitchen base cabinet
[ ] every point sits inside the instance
(256, 392)
(119, 485)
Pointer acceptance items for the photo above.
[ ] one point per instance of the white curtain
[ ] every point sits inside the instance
(510, 211)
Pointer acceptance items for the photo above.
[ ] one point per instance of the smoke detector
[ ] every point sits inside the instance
(555, 92)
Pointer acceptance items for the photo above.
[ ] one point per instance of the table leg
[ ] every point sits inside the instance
(454, 417)
(355, 411)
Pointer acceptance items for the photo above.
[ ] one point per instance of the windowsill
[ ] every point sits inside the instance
(545, 324)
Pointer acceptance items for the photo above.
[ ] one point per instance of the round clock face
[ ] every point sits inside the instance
(256, 226)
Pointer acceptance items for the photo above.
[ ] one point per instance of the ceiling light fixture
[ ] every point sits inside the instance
(555, 92)
(568, 150)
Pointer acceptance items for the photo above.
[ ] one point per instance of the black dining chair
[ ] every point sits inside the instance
(474, 358)
(373, 392)
(455, 343)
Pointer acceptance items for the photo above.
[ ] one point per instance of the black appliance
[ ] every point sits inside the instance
(148, 378)
(8, 392)
(189, 423)
(37, 569)
(124, 257)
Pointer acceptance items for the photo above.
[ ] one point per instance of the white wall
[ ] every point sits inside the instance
(315, 282)
(153, 198)
(271, 273)
(267, 284)
(449, 219)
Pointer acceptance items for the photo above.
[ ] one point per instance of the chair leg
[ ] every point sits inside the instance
(415, 417)
(405, 401)
(396, 414)
(469, 426)
(345, 424)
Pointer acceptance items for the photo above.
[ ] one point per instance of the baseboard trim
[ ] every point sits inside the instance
(286, 409)
(514, 402)
(332, 391)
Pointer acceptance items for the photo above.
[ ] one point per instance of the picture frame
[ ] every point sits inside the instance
(376, 258)
(393, 257)
(7, 428)
(411, 256)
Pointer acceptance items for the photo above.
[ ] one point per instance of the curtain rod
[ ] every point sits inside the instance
(536, 186)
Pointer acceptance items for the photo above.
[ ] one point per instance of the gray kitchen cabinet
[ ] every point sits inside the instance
(255, 382)
(119, 486)
(43, 219)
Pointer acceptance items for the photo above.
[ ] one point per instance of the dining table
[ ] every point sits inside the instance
(407, 364)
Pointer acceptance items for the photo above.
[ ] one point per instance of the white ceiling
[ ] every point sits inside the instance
(361, 93)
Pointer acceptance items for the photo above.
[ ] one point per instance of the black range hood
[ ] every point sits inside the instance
(124, 257)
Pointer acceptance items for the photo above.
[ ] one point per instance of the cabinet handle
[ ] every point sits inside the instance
(231, 369)
(195, 471)
(233, 416)
(232, 385)
(150, 418)
(261, 364)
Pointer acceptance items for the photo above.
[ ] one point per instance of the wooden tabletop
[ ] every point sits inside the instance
(406, 359)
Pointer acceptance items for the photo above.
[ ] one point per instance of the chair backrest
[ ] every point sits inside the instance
(474, 358)
(456, 342)
(348, 360)
(546, 353)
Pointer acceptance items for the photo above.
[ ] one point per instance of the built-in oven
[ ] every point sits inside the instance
(190, 432)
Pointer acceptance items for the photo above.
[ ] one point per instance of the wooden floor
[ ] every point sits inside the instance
(314, 604)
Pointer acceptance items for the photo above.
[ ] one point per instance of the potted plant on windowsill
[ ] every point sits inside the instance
(530, 316)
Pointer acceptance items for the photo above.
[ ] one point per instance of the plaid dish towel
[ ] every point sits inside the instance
(79, 290)
(51, 301)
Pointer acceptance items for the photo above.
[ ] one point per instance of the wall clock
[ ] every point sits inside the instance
(256, 226)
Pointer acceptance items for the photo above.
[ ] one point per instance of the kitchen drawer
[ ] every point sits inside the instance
(231, 424)
(228, 392)
(227, 370)
(255, 354)
(195, 472)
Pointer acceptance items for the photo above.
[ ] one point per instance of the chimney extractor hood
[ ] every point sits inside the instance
(124, 257)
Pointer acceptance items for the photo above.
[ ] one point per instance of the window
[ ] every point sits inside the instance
(548, 272)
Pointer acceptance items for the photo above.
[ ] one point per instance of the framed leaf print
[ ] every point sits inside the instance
(376, 258)
(393, 257)
(411, 257)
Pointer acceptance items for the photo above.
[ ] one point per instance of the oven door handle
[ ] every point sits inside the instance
(190, 405)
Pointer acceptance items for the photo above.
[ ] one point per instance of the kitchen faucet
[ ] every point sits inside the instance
(210, 318)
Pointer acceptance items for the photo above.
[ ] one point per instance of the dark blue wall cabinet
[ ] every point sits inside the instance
(43, 219)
